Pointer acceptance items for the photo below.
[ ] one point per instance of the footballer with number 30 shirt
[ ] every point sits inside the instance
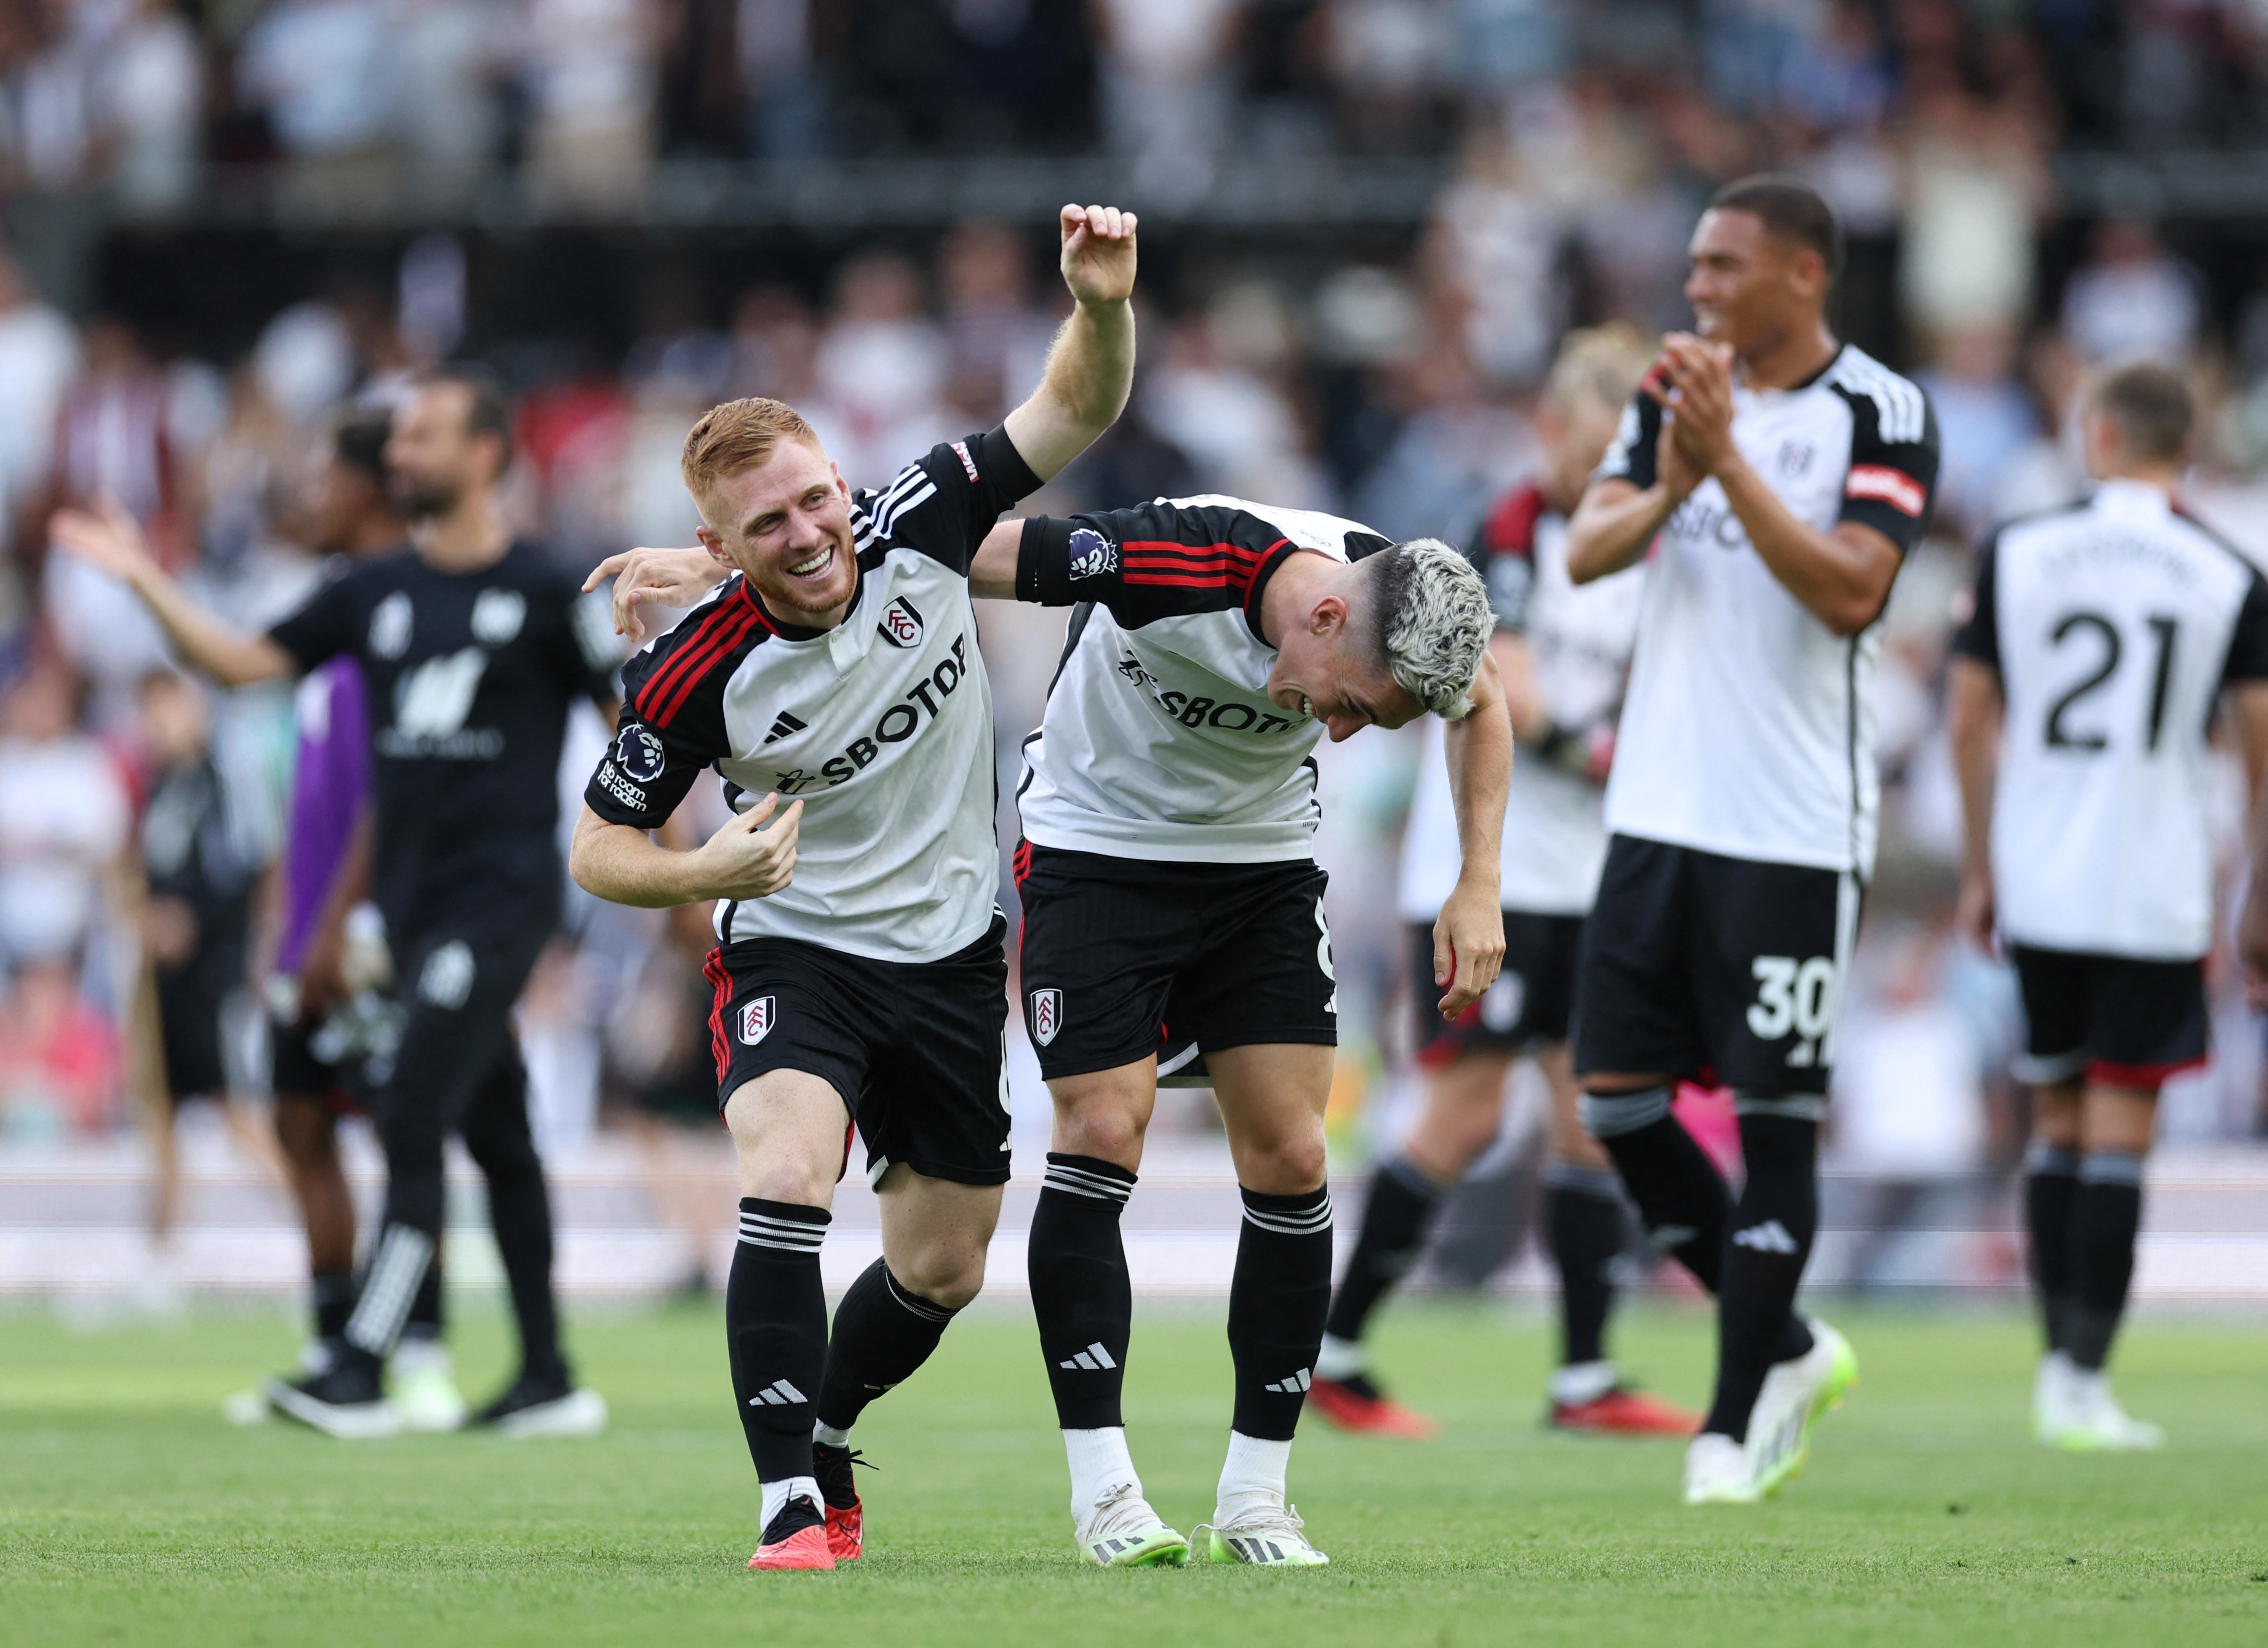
(1784, 475)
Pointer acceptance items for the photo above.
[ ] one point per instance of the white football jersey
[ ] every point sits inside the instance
(2114, 625)
(881, 726)
(1579, 646)
(1749, 726)
(1159, 740)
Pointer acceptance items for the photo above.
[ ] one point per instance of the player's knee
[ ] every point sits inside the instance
(779, 1175)
(948, 1271)
(1289, 1164)
(1101, 1128)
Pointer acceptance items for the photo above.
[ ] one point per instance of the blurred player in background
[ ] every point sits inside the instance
(472, 648)
(1172, 904)
(328, 1018)
(835, 684)
(1786, 475)
(2083, 686)
(1563, 654)
(201, 853)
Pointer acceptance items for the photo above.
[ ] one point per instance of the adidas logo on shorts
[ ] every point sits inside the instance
(1095, 1358)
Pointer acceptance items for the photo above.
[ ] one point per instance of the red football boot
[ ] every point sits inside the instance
(1355, 1403)
(797, 1538)
(1621, 1412)
(846, 1517)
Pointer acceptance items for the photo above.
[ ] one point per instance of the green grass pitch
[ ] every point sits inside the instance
(130, 1514)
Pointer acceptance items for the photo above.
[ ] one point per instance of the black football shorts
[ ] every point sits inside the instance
(1123, 957)
(916, 1048)
(1717, 969)
(2114, 1021)
(1530, 1002)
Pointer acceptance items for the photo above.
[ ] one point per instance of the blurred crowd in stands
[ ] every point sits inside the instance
(361, 105)
(1388, 379)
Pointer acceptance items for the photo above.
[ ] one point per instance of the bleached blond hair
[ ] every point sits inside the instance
(1431, 621)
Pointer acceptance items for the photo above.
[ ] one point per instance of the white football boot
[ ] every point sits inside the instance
(1121, 1531)
(2082, 1417)
(1796, 1394)
(1717, 1471)
(1266, 1536)
(423, 1385)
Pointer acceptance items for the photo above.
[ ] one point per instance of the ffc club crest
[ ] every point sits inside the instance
(902, 624)
(757, 1019)
(1047, 1015)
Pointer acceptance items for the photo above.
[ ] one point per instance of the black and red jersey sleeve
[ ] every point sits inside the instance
(1157, 559)
(1894, 457)
(943, 504)
(1630, 454)
(671, 723)
(1502, 549)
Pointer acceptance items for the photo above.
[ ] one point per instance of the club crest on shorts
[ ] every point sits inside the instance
(901, 623)
(757, 1019)
(1047, 1015)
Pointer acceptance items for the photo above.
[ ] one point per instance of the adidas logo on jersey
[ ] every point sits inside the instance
(1770, 1237)
(898, 722)
(785, 725)
(1095, 1358)
(778, 1394)
(1295, 1385)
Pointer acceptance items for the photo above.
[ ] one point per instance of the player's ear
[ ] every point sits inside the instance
(1328, 616)
(714, 545)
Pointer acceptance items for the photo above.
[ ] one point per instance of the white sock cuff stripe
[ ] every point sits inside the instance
(1794, 1106)
(2111, 1167)
(2060, 1161)
(1609, 1114)
(1084, 1182)
(1307, 1221)
(914, 1304)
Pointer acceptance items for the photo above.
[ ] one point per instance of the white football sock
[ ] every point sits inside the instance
(1251, 1478)
(1099, 1462)
(777, 1494)
(829, 1435)
(1340, 1359)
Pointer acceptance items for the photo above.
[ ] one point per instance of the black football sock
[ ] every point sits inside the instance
(1772, 1230)
(776, 1330)
(1679, 1195)
(883, 1331)
(2051, 1194)
(2103, 1222)
(1276, 1303)
(332, 1295)
(1081, 1294)
(1394, 1219)
(1583, 1211)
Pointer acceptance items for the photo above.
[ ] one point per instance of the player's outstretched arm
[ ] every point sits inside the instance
(656, 578)
(747, 858)
(111, 540)
(1973, 714)
(1469, 935)
(1091, 367)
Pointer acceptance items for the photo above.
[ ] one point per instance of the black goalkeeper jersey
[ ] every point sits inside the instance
(470, 676)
